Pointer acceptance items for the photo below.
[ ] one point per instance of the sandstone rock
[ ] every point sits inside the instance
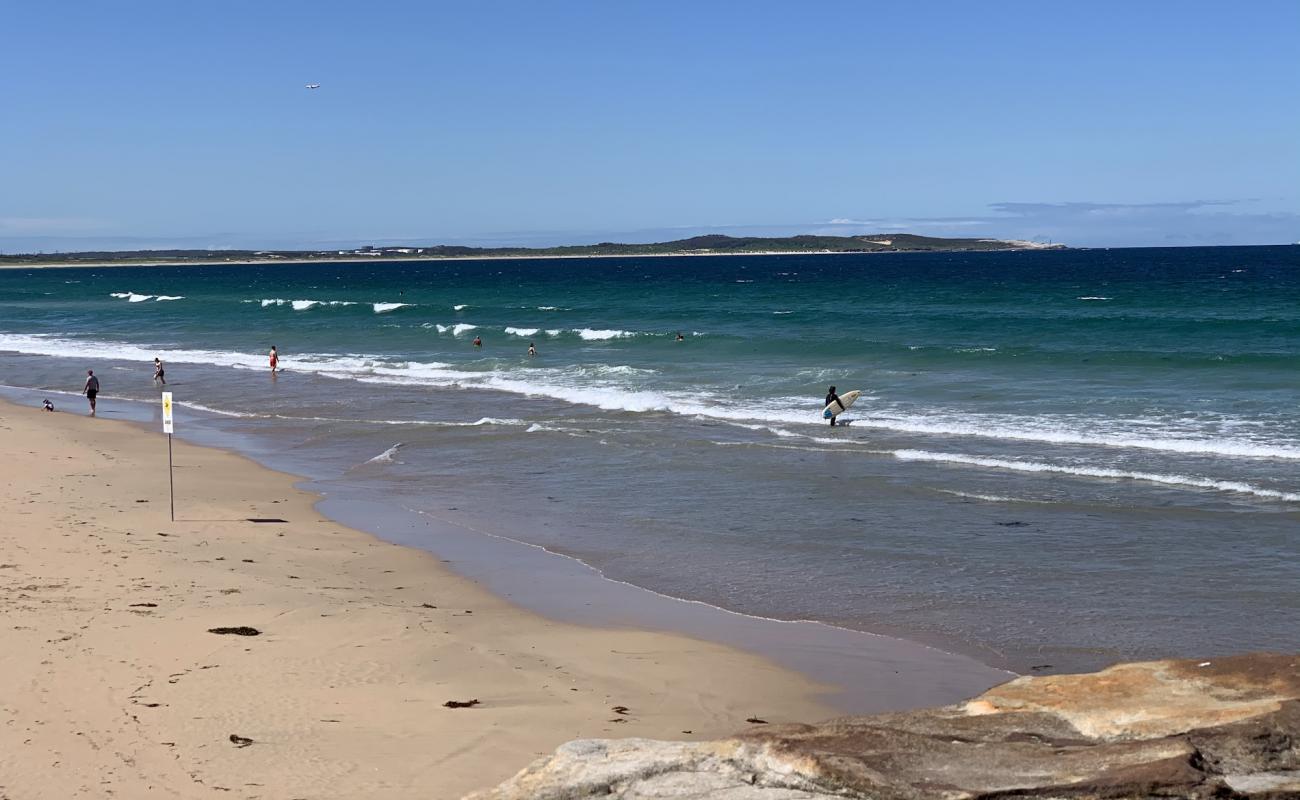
(1227, 728)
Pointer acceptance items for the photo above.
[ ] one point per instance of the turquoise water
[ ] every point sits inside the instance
(1060, 457)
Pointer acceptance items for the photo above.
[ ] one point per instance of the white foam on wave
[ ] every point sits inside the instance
(992, 498)
(605, 370)
(454, 330)
(384, 308)
(218, 411)
(602, 334)
(607, 387)
(1181, 481)
(132, 297)
(38, 344)
(1037, 430)
(459, 307)
(522, 331)
(303, 305)
(495, 421)
(1092, 297)
(386, 456)
(300, 305)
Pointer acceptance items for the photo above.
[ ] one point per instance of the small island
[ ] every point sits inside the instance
(711, 245)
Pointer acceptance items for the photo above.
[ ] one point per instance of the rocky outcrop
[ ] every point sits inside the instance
(1226, 728)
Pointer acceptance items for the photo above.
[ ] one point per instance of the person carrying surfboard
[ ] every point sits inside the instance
(832, 397)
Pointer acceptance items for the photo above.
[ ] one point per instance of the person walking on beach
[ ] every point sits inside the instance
(91, 389)
(832, 397)
(275, 359)
(532, 350)
(158, 372)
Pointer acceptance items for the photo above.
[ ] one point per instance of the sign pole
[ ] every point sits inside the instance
(171, 481)
(168, 428)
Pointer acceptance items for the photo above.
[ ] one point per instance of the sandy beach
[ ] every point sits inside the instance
(114, 686)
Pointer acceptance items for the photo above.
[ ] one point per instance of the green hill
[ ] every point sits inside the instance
(714, 244)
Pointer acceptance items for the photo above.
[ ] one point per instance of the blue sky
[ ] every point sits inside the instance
(1094, 123)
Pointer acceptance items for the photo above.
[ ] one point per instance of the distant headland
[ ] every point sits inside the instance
(712, 245)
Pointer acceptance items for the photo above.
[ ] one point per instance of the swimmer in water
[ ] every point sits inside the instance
(478, 341)
(532, 351)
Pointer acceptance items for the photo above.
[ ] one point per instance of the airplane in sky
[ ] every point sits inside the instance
(313, 86)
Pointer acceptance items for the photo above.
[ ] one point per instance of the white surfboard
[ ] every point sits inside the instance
(846, 400)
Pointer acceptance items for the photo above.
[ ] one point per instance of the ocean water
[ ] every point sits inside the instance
(1062, 458)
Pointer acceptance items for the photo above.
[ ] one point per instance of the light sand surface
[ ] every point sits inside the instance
(112, 686)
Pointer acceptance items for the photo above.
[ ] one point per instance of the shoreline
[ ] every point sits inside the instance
(567, 589)
(431, 259)
(333, 636)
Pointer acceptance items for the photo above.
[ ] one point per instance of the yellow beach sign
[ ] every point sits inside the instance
(168, 427)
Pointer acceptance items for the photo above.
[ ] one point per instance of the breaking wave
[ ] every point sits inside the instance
(624, 388)
(132, 297)
(300, 305)
(601, 335)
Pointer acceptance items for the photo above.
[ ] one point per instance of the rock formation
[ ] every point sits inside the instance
(1224, 728)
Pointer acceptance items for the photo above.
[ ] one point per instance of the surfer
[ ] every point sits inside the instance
(158, 372)
(832, 397)
(275, 359)
(91, 389)
(680, 338)
(478, 341)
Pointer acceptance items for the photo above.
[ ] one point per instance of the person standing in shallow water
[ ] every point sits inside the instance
(832, 397)
(91, 389)
(158, 376)
(532, 350)
(275, 359)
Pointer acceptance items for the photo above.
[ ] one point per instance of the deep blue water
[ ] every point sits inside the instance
(1065, 457)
